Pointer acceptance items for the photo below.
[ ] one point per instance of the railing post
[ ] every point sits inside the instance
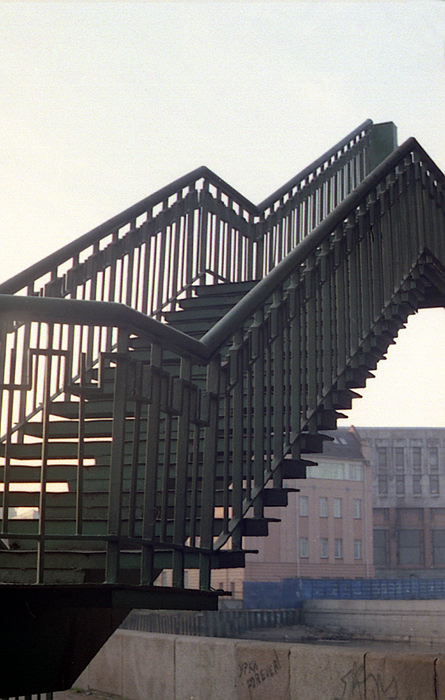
(382, 142)
(116, 463)
(209, 477)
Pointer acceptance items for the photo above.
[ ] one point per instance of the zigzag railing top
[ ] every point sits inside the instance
(194, 230)
(324, 310)
(53, 310)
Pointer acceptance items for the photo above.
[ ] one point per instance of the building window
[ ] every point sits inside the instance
(434, 484)
(336, 506)
(338, 548)
(400, 485)
(356, 472)
(381, 513)
(357, 508)
(324, 548)
(382, 457)
(434, 459)
(438, 537)
(357, 549)
(383, 485)
(417, 459)
(410, 547)
(323, 507)
(304, 547)
(417, 484)
(303, 505)
(399, 458)
(381, 547)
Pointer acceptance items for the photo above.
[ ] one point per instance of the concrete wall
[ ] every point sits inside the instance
(142, 666)
(407, 620)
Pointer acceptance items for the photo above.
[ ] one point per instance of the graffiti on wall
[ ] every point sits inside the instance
(359, 685)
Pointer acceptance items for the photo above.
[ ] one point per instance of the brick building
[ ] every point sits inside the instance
(326, 530)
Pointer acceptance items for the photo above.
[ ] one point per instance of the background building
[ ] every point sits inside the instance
(326, 530)
(408, 467)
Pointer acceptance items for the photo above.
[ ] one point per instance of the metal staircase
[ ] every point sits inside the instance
(165, 373)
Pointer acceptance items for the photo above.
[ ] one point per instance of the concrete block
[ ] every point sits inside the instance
(400, 675)
(323, 672)
(83, 680)
(105, 671)
(149, 662)
(262, 671)
(205, 669)
(440, 676)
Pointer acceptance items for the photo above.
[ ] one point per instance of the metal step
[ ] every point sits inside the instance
(227, 288)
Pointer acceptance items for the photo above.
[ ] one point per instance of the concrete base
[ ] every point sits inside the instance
(139, 665)
(400, 620)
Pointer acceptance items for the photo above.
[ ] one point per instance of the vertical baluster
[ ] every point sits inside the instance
(434, 236)
(248, 460)
(80, 447)
(440, 222)
(311, 346)
(230, 254)
(192, 515)
(277, 360)
(23, 396)
(354, 287)
(35, 402)
(257, 336)
(319, 330)
(249, 252)
(237, 391)
(341, 313)
(227, 459)
(202, 231)
(376, 256)
(7, 443)
(418, 220)
(44, 456)
(151, 466)
(190, 237)
(427, 199)
(3, 378)
(175, 276)
(147, 267)
(326, 317)
(162, 260)
(399, 269)
(209, 471)
(287, 379)
(130, 235)
(182, 467)
(112, 565)
(365, 275)
(387, 255)
(260, 252)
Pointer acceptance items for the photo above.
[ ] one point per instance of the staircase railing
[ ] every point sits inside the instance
(197, 229)
(223, 424)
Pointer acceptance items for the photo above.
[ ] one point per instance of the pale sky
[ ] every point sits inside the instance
(103, 103)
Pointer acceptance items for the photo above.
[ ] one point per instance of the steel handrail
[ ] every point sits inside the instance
(119, 315)
(312, 167)
(26, 277)
(227, 326)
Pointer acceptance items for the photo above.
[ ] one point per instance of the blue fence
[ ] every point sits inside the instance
(290, 592)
